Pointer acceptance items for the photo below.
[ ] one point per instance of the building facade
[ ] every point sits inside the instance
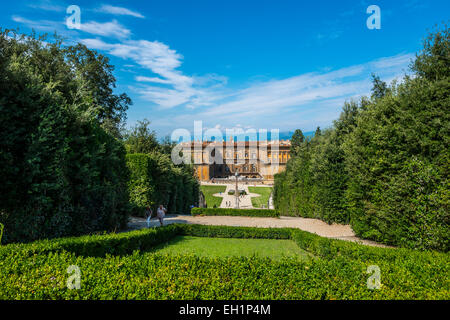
(254, 160)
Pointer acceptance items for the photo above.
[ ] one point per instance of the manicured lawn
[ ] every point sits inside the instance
(208, 191)
(126, 266)
(228, 247)
(264, 193)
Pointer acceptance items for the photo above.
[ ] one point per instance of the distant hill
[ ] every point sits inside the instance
(285, 135)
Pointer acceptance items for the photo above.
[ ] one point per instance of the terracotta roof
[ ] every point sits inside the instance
(239, 143)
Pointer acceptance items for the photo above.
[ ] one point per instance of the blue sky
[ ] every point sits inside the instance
(240, 64)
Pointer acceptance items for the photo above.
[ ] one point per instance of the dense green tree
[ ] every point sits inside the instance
(297, 139)
(318, 132)
(396, 144)
(167, 145)
(141, 139)
(62, 173)
(384, 165)
(99, 82)
(379, 88)
(433, 62)
(155, 181)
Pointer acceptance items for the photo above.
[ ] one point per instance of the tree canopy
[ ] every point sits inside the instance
(384, 164)
(63, 170)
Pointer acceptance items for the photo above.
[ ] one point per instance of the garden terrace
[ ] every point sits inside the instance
(134, 265)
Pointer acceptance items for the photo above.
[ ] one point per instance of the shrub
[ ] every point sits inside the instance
(383, 166)
(63, 170)
(234, 232)
(241, 192)
(115, 266)
(155, 180)
(234, 212)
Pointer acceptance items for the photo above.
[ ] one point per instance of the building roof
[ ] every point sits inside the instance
(286, 143)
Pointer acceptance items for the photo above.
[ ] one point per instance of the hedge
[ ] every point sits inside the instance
(241, 192)
(234, 212)
(117, 266)
(383, 166)
(62, 167)
(155, 180)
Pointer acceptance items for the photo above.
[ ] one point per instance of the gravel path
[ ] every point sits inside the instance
(245, 201)
(335, 231)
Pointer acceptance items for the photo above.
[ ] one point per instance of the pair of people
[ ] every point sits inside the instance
(160, 214)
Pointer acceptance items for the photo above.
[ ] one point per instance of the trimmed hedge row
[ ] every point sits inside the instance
(234, 212)
(154, 180)
(98, 245)
(196, 230)
(113, 268)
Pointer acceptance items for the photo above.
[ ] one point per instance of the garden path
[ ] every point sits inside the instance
(334, 231)
(245, 201)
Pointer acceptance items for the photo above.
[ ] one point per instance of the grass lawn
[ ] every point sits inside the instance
(208, 191)
(226, 263)
(228, 247)
(265, 192)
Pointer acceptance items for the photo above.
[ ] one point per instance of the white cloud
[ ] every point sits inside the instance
(307, 99)
(120, 11)
(158, 58)
(398, 61)
(275, 96)
(47, 6)
(304, 101)
(106, 29)
(42, 25)
(151, 79)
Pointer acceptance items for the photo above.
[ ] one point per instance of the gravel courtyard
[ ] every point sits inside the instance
(335, 231)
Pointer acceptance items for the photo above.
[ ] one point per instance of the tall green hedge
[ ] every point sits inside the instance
(384, 164)
(62, 172)
(155, 180)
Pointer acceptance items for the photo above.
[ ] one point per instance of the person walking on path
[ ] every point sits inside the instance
(161, 213)
(148, 215)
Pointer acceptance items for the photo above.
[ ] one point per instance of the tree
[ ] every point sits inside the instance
(433, 62)
(318, 132)
(83, 77)
(297, 139)
(384, 165)
(167, 145)
(96, 74)
(62, 173)
(379, 88)
(140, 138)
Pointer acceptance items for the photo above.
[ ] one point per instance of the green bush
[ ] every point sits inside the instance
(241, 192)
(98, 245)
(196, 230)
(383, 166)
(155, 180)
(234, 212)
(116, 266)
(63, 170)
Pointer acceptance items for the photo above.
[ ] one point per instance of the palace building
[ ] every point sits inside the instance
(254, 160)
